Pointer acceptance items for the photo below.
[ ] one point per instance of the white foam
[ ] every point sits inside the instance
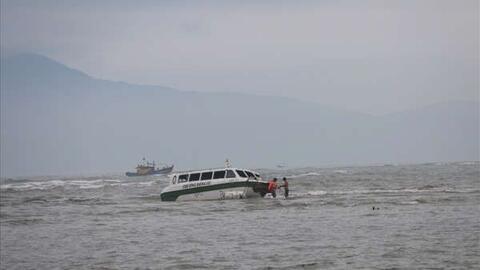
(469, 163)
(146, 183)
(304, 174)
(409, 203)
(91, 186)
(34, 185)
(112, 181)
(43, 185)
(134, 184)
(317, 193)
(377, 191)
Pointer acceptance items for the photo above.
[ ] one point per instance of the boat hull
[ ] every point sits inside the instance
(214, 190)
(166, 170)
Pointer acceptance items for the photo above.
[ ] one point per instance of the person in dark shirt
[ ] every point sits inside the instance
(285, 186)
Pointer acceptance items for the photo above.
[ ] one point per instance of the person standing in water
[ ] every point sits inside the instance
(285, 186)
(272, 187)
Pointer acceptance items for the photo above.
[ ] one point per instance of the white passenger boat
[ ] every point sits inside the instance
(214, 184)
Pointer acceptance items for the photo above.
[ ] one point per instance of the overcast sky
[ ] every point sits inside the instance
(369, 56)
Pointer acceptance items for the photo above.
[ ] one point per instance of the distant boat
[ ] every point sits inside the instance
(148, 168)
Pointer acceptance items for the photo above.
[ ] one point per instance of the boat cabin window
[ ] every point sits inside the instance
(230, 174)
(250, 174)
(219, 174)
(183, 178)
(257, 175)
(241, 173)
(206, 176)
(194, 177)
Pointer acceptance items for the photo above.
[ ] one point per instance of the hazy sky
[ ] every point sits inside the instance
(368, 56)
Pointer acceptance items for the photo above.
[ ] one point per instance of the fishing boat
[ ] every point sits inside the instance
(149, 168)
(214, 184)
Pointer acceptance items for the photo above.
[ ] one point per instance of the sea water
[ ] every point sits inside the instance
(376, 217)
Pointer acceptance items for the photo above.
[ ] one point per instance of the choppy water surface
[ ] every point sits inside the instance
(428, 217)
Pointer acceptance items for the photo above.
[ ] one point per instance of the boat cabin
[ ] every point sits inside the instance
(213, 174)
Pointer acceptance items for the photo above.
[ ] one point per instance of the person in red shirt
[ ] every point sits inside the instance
(272, 187)
(285, 186)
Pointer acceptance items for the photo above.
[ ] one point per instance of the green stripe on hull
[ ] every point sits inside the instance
(173, 195)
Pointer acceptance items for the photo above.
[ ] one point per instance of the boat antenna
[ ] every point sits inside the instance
(227, 163)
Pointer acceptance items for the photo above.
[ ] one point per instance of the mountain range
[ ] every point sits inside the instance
(58, 120)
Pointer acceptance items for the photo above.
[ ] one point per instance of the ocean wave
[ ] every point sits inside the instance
(379, 191)
(138, 211)
(303, 175)
(150, 197)
(24, 221)
(91, 186)
(317, 193)
(67, 184)
(468, 163)
(468, 190)
(33, 185)
(409, 203)
(89, 201)
(135, 184)
(317, 173)
(82, 182)
(37, 199)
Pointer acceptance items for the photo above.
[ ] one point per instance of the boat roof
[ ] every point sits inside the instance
(212, 169)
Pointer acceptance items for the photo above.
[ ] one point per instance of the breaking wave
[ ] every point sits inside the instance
(70, 184)
(386, 191)
(303, 175)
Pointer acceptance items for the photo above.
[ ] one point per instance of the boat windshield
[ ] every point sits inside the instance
(241, 173)
(250, 174)
(230, 174)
